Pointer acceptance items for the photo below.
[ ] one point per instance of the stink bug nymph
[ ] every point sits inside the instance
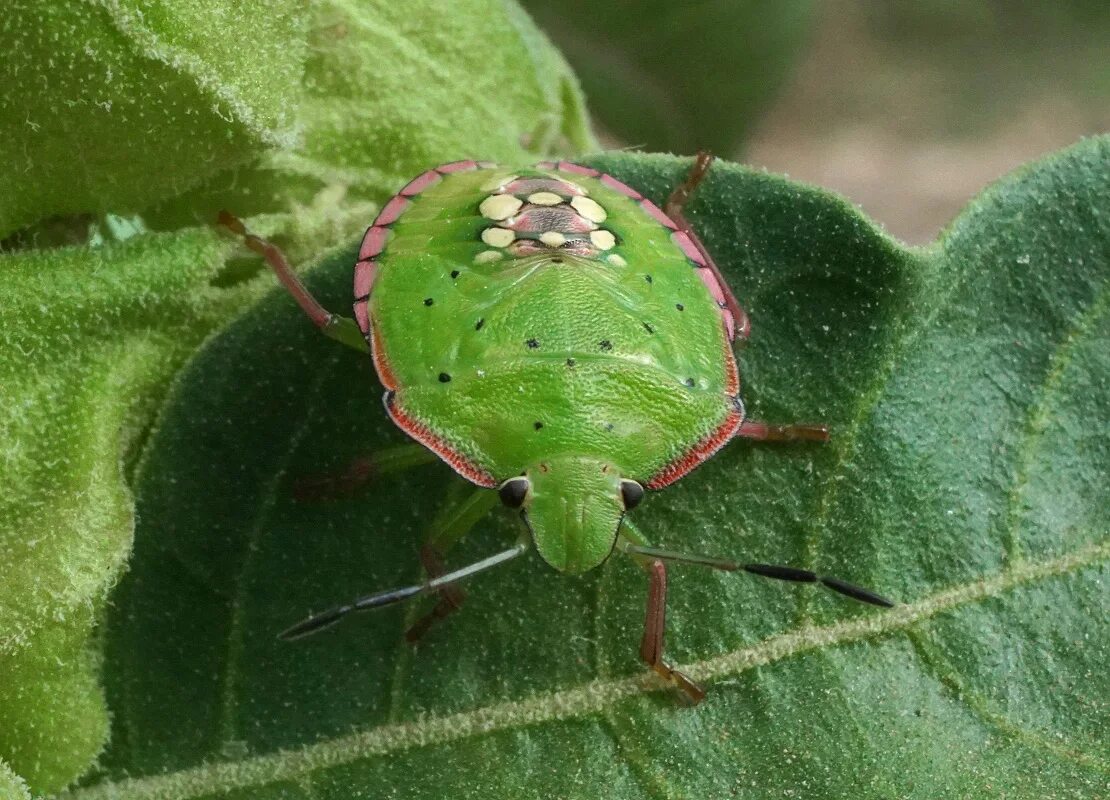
(512, 315)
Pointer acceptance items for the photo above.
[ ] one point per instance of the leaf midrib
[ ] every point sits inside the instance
(591, 697)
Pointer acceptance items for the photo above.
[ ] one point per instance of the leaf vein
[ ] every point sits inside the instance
(846, 442)
(265, 505)
(944, 672)
(1040, 412)
(590, 698)
(653, 783)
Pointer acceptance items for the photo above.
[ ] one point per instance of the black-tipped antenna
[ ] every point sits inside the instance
(766, 570)
(327, 618)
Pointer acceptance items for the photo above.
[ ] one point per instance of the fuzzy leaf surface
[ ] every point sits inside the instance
(966, 385)
(90, 337)
(112, 106)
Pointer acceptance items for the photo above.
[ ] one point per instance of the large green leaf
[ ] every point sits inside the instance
(674, 76)
(89, 337)
(966, 385)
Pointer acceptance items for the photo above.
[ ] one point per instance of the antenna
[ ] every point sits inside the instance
(766, 570)
(371, 601)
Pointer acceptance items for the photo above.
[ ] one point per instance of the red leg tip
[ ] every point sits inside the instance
(230, 221)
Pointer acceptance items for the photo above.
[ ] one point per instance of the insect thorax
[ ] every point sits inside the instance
(537, 214)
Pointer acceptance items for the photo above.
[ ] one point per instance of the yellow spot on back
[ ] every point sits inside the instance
(544, 199)
(590, 209)
(553, 238)
(500, 206)
(616, 260)
(603, 240)
(486, 256)
(498, 237)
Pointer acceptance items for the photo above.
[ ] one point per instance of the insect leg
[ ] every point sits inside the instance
(360, 472)
(673, 209)
(763, 432)
(655, 616)
(342, 329)
(655, 623)
(454, 522)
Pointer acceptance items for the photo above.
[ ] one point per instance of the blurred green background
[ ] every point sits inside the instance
(908, 107)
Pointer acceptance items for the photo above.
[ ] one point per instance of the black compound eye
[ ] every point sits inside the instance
(632, 493)
(513, 491)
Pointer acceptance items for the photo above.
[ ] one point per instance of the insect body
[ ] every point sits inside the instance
(553, 335)
(542, 326)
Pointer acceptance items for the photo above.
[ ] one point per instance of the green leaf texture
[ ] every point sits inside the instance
(90, 337)
(391, 88)
(966, 386)
(678, 77)
(111, 105)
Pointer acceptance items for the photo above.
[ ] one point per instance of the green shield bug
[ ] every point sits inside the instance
(562, 343)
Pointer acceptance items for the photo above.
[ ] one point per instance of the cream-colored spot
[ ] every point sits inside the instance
(589, 209)
(553, 238)
(616, 260)
(486, 256)
(500, 206)
(498, 237)
(603, 240)
(544, 199)
(495, 184)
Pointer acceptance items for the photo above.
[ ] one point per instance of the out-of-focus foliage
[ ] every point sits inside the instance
(390, 88)
(673, 76)
(12, 787)
(967, 66)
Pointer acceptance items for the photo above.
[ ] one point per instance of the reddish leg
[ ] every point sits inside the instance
(332, 325)
(361, 472)
(334, 486)
(655, 623)
(762, 432)
(451, 597)
(457, 518)
(673, 209)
